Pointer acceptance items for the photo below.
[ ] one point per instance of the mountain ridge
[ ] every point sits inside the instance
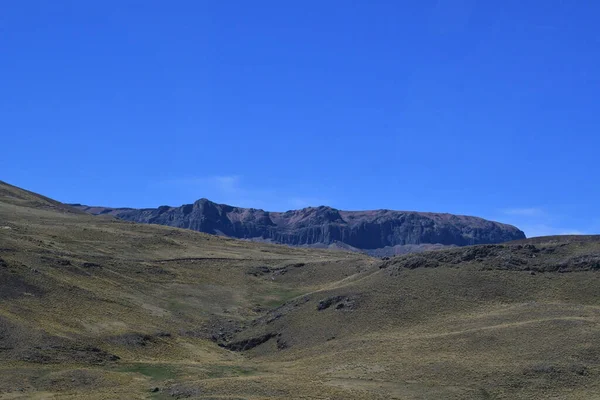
(323, 225)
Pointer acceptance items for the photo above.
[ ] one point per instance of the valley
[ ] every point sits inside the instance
(96, 307)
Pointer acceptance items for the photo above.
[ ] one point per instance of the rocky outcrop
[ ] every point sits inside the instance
(318, 226)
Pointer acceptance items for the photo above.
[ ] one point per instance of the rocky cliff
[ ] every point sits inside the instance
(319, 226)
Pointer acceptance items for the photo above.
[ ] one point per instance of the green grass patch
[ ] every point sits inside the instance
(278, 296)
(222, 371)
(174, 305)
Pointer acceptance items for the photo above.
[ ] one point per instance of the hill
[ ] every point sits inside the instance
(378, 232)
(101, 308)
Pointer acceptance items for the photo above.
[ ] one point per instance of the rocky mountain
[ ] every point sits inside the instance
(323, 226)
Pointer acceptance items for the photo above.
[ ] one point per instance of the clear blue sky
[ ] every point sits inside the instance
(488, 108)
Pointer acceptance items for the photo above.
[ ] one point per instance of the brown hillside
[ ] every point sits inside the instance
(104, 309)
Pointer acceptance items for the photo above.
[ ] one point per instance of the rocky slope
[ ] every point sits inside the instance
(318, 226)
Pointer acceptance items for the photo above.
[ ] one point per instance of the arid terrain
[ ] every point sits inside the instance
(92, 307)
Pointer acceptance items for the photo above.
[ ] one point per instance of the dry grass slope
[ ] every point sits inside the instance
(92, 307)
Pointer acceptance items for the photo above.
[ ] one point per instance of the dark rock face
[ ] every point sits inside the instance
(328, 302)
(341, 303)
(323, 225)
(248, 344)
(546, 257)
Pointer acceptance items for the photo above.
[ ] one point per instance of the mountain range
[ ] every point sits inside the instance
(377, 232)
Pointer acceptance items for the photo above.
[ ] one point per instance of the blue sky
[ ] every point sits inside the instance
(472, 107)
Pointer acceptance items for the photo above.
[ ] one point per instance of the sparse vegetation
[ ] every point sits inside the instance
(96, 308)
(154, 371)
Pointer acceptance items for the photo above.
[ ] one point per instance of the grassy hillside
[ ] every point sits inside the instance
(92, 307)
